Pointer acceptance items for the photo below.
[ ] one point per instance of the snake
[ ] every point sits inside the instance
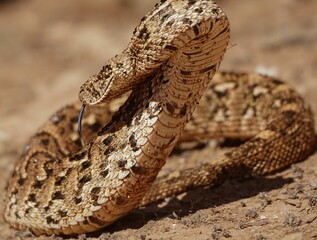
(164, 88)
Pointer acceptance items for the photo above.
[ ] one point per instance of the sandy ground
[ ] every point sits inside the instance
(48, 48)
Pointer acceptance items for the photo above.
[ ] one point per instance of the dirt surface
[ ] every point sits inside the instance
(49, 48)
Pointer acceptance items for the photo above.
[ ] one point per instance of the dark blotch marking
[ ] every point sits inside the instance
(122, 163)
(215, 11)
(115, 118)
(69, 171)
(85, 222)
(62, 213)
(52, 160)
(107, 140)
(103, 130)
(277, 81)
(86, 164)
(74, 120)
(199, 10)
(78, 156)
(96, 221)
(21, 181)
(119, 65)
(185, 73)
(48, 170)
(50, 220)
(147, 105)
(192, 53)
(138, 170)
(170, 107)
(144, 33)
(187, 21)
(149, 86)
(196, 30)
(137, 119)
(57, 195)
(28, 210)
(104, 173)
(134, 149)
(106, 68)
(85, 179)
(183, 111)
(32, 197)
(165, 17)
(172, 48)
(59, 181)
(120, 200)
(207, 69)
(95, 190)
(95, 127)
(38, 184)
(132, 140)
(109, 150)
(50, 203)
(220, 94)
(77, 200)
(78, 142)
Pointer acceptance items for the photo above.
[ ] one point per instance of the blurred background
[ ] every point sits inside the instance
(49, 48)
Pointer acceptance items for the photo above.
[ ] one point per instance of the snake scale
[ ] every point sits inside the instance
(62, 186)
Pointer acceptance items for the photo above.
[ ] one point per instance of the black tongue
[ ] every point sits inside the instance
(80, 117)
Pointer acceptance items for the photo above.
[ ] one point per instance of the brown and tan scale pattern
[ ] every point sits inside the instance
(277, 124)
(62, 186)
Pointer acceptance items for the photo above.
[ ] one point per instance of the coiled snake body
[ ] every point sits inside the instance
(60, 186)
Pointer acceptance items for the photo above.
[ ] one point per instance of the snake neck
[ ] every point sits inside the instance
(132, 148)
(159, 107)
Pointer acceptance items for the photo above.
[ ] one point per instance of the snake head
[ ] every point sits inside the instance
(94, 90)
(114, 79)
